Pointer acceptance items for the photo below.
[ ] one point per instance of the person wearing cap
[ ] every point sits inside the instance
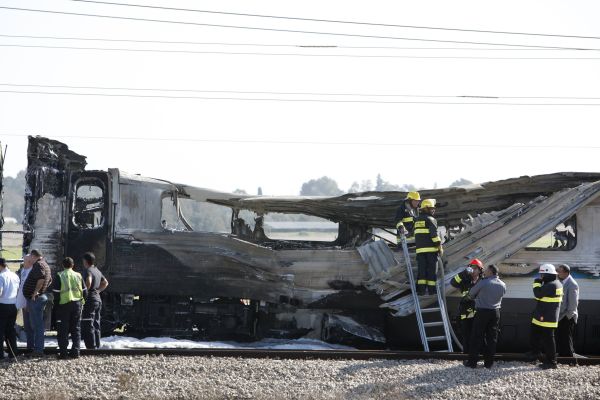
(69, 292)
(464, 281)
(548, 292)
(428, 245)
(406, 215)
(567, 317)
(9, 286)
(488, 293)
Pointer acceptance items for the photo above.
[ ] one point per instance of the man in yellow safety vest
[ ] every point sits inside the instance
(69, 291)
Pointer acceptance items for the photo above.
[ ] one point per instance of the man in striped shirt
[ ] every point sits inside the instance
(35, 291)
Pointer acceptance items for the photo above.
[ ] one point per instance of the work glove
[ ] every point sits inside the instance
(402, 231)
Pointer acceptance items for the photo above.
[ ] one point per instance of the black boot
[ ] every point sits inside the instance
(533, 356)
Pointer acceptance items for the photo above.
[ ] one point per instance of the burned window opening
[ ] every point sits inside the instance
(248, 225)
(183, 214)
(299, 227)
(562, 238)
(88, 204)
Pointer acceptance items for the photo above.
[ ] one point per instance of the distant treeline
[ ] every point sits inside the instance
(14, 189)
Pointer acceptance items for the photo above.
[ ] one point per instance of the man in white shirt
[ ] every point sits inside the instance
(9, 286)
(22, 301)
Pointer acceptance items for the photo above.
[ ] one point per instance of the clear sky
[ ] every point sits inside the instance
(230, 143)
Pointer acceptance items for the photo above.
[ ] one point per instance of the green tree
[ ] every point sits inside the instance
(385, 186)
(323, 186)
(13, 197)
(354, 188)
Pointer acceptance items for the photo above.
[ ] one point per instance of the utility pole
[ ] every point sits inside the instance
(2, 156)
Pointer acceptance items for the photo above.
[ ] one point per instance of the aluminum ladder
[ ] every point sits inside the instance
(440, 309)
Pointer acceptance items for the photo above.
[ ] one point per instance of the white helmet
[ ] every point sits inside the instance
(547, 269)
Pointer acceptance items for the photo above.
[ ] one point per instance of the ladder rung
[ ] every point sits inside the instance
(436, 338)
(426, 310)
(428, 324)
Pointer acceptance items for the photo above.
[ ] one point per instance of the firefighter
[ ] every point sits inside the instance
(548, 292)
(405, 216)
(464, 281)
(428, 246)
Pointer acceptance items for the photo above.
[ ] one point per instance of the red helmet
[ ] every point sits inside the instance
(476, 263)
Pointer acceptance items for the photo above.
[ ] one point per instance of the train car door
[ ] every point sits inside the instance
(88, 216)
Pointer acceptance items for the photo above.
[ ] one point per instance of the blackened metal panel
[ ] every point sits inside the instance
(49, 169)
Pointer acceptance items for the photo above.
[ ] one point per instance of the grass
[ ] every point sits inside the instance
(11, 252)
(544, 242)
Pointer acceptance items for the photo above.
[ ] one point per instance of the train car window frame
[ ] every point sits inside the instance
(81, 212)
(562, 238)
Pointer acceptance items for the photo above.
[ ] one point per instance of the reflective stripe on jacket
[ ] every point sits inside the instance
(463, 281)
(548, 296)
(405, 216)
(426, 234)
(71, 286)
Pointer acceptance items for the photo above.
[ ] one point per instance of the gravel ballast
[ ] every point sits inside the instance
(158, 377)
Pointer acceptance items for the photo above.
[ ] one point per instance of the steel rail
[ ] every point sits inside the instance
(314, 354)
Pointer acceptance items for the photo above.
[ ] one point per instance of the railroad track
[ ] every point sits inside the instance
(315, 354)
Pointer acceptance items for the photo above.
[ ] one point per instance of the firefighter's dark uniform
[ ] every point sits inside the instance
(466, 309)
(427, 244)
(548, 295)
(405, 217)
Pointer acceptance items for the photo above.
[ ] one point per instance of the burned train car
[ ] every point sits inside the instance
(170, 274)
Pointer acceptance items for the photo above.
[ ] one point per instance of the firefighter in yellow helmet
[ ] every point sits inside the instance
(428, 247)
(405, 216)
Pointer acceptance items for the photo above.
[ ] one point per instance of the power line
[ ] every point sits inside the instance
(339, 21)
(294, 100)
(288, 30)
(317, 143)
(282, 45)
(292, 54)
(299, 93)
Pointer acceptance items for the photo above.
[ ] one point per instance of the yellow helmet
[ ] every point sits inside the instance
(428, 203)
(413, 196)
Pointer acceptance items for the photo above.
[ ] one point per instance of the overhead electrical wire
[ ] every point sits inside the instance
(292, 54)
(318, 143)
(280, 45)
(337, 21)
(298, 93)
(255, 28)
(150, 96)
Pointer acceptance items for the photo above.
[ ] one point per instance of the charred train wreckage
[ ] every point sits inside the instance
(176, 268)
